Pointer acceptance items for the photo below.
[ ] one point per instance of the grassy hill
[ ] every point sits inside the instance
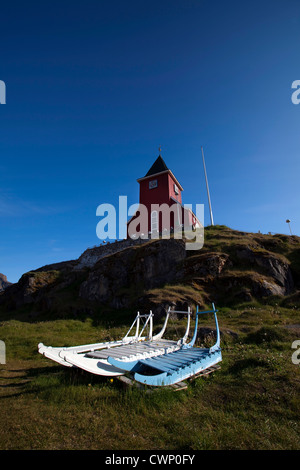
(251, 403)
(233, 268)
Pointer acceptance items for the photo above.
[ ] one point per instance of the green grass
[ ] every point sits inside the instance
(251, 403)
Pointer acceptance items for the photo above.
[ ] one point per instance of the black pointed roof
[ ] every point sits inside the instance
(157, 167)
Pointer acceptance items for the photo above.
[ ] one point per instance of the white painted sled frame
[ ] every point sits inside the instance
(93, 357)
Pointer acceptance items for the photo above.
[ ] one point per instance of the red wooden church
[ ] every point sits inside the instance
(159, 189)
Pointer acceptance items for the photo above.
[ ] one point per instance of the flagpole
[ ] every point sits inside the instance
(207, 188)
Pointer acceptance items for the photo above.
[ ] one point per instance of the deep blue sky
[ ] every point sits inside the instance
(93, 89)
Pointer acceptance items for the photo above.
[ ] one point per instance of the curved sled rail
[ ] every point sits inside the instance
(162, 331)
(188, 313)
(216, 346)
(184, 338)
(193, 340)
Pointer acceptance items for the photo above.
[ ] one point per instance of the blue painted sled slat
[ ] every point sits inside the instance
(164, 379)
(190, 360)
(173, 361)
(156, 365)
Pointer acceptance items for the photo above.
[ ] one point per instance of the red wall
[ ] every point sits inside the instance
(171, 189)
(160, 195)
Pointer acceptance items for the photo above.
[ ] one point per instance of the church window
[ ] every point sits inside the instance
(154, 221)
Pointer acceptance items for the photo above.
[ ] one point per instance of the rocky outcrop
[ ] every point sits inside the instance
(208, 264)
(274, 266)
(246, 286)
(116, 279)
(4, 283)
(29, 288)
(231, 268)
(91, 256)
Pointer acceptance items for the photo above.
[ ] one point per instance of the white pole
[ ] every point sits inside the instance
(208, 195)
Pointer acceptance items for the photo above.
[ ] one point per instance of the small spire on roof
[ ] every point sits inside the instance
(159, 149)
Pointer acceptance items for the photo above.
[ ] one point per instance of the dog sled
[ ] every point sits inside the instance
(172, 367)
(93, 358)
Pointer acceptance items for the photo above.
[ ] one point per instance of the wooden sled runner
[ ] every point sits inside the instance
(172, 367)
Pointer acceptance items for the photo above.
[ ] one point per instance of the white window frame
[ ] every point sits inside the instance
(154, 221)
